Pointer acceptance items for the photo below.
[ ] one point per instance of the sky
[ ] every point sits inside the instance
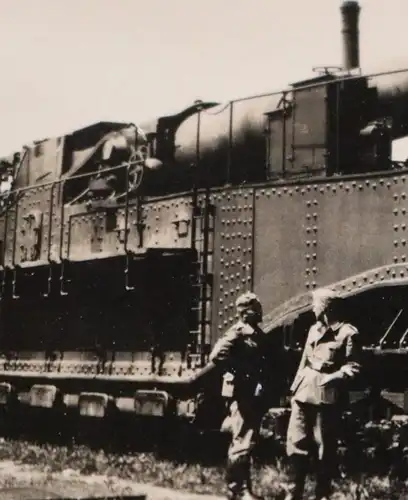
(69, 63)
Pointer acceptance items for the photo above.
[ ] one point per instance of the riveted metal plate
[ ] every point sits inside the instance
(140, 363)
(281, 244)
(83, 234)
(32, 366)
(33, 216)
(10, 227)
(395, 274)
(233, 247)
(327, 232)
(54, 231)
(85, 363)
(167, 223)
(84, 368)
(399, 222)
(97, 223)
(125, 231)
(359, 227)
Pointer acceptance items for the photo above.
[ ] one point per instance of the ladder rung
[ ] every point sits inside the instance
(208, 252)
(197, 332)
(199, 309)
(207, 299)
(202, 279)
(207, 278)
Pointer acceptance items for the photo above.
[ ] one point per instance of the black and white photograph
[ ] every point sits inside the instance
(203, 250)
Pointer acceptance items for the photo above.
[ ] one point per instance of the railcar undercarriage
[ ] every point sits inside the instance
(99, 342)
(107, 351)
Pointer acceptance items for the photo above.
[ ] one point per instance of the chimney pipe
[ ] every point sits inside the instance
(350, 11)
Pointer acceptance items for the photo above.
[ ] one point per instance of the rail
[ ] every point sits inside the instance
(336, 80)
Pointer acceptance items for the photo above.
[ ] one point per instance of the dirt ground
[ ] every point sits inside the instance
(21, 482)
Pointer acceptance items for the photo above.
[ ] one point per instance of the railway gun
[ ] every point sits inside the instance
(124, 247)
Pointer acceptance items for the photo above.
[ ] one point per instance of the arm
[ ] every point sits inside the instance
(224, 348)
(221, 354)
(302, 363)
(351, 366)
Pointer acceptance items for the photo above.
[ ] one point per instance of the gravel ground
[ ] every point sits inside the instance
(20, 481)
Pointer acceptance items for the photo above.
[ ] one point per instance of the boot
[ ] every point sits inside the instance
(239, 481)
(298, 473)
(323, 482)
(247, 493)
(234, 479)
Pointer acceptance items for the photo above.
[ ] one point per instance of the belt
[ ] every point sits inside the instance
(320, 367)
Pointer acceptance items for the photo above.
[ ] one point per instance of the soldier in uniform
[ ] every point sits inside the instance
(330, 359)
(240, 355)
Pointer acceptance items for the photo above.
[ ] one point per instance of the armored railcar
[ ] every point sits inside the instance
(124, 247)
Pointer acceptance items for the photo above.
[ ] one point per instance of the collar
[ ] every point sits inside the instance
(245, 328)
(335, 326)
(321, 329)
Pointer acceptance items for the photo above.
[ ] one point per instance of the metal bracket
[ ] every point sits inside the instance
(94, 404)
(121, 229)
(182, 226)
(151, 402)
(43, 396)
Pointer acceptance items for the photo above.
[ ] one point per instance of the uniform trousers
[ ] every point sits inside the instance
(312, 432)
(244, 423)
(245, 419)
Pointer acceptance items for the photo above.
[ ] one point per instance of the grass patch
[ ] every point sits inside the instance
(150, 468)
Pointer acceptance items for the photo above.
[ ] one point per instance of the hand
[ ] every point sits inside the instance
(349, 370)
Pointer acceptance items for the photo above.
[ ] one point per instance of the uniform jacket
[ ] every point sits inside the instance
(327, 351)
(240, 352)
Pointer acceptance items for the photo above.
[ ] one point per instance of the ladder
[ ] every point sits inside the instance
(202, 243)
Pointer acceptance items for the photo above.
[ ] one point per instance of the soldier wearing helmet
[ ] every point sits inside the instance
(239, 353)
(330, 359)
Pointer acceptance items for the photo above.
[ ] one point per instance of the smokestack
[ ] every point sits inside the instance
(350, 11)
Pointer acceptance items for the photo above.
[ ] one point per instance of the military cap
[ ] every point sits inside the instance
(325, 296)
(246, 301)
